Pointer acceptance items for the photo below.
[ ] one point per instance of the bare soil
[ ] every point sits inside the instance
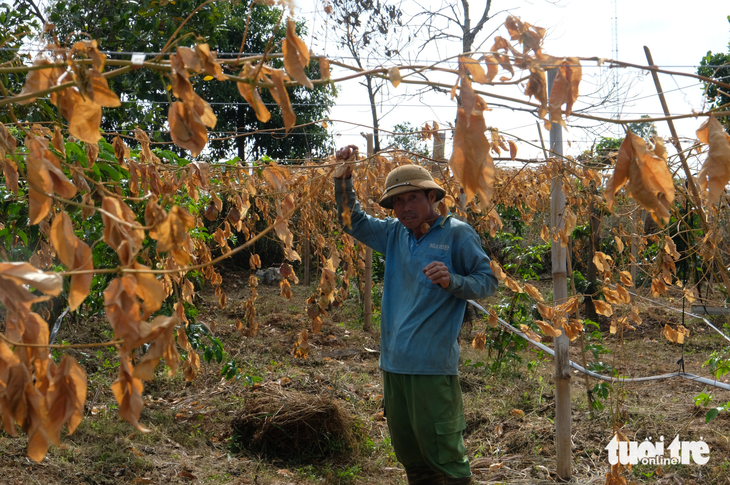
(509, 412)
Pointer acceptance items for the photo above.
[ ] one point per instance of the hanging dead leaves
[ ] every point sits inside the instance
(715, 172)
(643, 169)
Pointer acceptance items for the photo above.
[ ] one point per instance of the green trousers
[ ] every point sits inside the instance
(426, 420)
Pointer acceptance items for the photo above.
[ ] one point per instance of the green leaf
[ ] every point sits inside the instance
(111, 171)
(23, 236)
(711, 414)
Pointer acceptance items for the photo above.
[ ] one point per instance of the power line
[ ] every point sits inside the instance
(427, 61)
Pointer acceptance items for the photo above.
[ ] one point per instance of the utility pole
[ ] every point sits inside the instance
(560, 292)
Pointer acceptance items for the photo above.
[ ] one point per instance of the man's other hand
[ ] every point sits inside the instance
(438, 273)
(347, 156)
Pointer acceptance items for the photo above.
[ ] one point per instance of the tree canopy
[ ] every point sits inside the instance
(126, 27)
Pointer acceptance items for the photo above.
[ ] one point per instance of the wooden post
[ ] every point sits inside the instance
(439, 144)
(560, 292)
(368, 277)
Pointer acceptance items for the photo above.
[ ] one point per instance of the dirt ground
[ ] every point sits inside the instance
(509, 411)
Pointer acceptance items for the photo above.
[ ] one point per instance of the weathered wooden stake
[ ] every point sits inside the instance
(560, 294)
(367, 300)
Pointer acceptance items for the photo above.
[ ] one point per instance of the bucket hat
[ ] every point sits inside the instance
(408, 178)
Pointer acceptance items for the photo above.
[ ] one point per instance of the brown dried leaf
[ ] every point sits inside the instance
(573, 329)
(493, 318)
(492, 68)
(603, 308)
(602, 261)
(715, 172)
(189, 57)
(565, 89)
(548, 329)
(394, 76)
(296, 56)
(285, 290)
(624, 294)
(34, 422)
(162, 331)
(675, 336)
(530, 334)
(186, 128)
(670, 248)
(57, 140)
(277, 177)
(301, 347)
(25, 274)
(209, 62)
(626, 279)
(513, 285)
(512, 149)
(612, 296)
(172, 234)
(658, 287)
(278, 92)
(39, 80)
(537, 86)
(470, 160)
(480, 341)
(75, 254)
(475, 69)
(533, 292)
(124, 237)
(65, 398)
(545, 310)
(44, 176)
(255, 261)
(191, 366)
(619, 244)
(545, 233)
(100, 93)
(647, 176)
(252, 96)
(497, 270)
(150, 290)
(128, 393)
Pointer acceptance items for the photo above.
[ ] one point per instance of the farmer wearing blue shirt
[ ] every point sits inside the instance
(433, 264)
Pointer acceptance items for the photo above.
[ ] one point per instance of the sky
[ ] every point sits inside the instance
(678, 33)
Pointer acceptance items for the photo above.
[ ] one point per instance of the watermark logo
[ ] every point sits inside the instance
(648, 453)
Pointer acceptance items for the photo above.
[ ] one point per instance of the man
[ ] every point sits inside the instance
(433, 264)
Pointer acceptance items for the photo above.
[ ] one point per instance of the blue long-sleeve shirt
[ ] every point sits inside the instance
(420, 321)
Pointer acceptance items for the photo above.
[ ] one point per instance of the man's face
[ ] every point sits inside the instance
(414, 208)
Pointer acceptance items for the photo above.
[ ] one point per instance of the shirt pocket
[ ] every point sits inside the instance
(450, 440)
(428, 257)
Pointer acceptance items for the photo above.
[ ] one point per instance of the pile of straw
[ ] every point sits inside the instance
(291, 424)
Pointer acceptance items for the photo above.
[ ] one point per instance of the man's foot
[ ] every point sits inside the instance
(424, 475)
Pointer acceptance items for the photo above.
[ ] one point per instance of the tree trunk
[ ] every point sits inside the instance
(374, 111)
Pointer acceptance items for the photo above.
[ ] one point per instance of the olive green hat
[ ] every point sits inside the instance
(408, 178)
